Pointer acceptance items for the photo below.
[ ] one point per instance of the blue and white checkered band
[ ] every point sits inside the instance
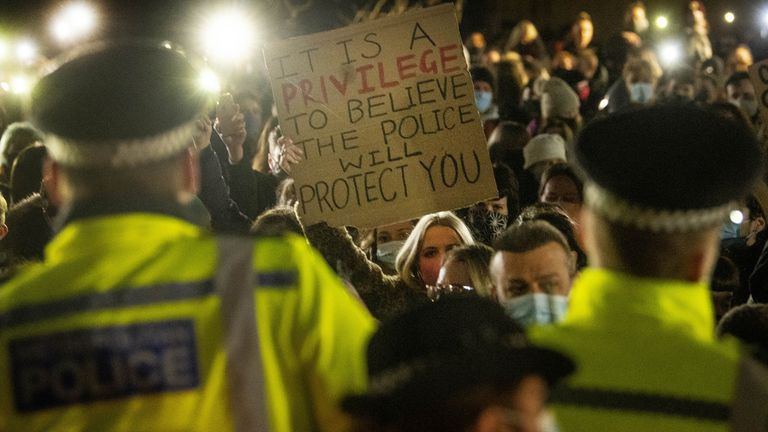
(622, 212)
(120, 153)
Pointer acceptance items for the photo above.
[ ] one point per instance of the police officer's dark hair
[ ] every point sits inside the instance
(529, 236)
(458, 413)
(735, 78)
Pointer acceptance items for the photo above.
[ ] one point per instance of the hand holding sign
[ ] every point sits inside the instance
(290, 154)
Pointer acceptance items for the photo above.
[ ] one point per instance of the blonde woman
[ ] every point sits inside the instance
(417, 264)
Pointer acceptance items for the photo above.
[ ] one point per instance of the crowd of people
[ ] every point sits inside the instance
(157, 275)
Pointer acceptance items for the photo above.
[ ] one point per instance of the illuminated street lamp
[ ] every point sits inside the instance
(229, 36)
(73, 22)
(661, 22)
(729, 17)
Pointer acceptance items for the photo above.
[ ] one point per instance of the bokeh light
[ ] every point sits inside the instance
(229, 36)
(209, 81)
(73, 22)
(670, 53)
(26, 50)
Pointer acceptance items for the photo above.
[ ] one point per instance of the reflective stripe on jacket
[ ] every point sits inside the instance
(647, 360)
(140, 322)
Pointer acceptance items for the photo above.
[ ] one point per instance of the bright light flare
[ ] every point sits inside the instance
(5, 86)
(5, 49)
(670, 53)
(661, 22)
(209, 81)
(26, 51)
(764, 18)
(229, 36)
(736, 217)
(74, 22)
(729, 17)
(20, 85)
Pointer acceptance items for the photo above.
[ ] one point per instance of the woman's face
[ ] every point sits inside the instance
(438, 240)
(561, 190)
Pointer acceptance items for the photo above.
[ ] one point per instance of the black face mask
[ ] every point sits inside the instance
(486, 226)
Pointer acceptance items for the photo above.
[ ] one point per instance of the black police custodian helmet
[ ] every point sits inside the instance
(441, 350)
(118, 104)
(667, 168)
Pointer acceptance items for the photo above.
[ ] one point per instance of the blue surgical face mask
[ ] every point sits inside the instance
(483, 100)
(536, 308)
(640, 92)
(387, 252)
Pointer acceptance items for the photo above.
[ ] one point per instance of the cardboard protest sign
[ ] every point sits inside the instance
(758, 74)
(384, 112)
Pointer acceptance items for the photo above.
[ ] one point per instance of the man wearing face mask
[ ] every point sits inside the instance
(741, 93)
(483, 81)
(532, 271)
(638, 76)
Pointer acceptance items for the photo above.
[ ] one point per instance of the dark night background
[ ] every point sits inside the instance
(177, 20)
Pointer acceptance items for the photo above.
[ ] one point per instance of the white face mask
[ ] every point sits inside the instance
(387, 252)
(536, 308)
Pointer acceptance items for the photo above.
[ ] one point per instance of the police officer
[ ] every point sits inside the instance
(138, 320)
(660, 183)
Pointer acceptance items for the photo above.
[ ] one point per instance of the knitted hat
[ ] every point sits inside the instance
(118, 105)
(558, 99)
(667, 168)
(543, 147)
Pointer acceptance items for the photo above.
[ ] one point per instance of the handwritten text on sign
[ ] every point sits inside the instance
(385, 114)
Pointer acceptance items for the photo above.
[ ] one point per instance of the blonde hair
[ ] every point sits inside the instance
(3, 209)
(477, 258)
(407, 260)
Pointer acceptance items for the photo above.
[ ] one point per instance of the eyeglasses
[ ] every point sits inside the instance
(435, 292)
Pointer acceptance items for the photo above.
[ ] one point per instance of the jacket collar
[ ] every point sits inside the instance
(127, 233)
(629, 303)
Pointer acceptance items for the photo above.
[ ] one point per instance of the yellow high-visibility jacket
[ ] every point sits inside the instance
(647, 360)
(143, 322)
